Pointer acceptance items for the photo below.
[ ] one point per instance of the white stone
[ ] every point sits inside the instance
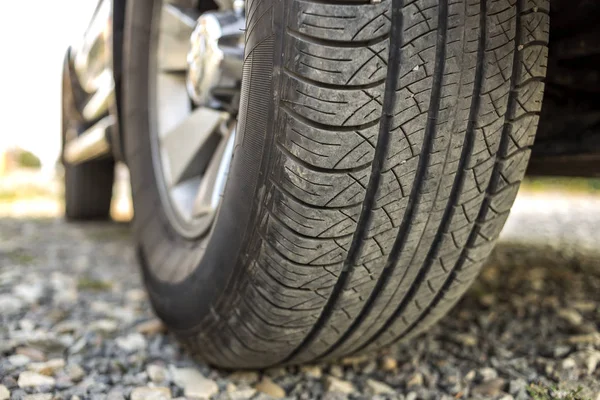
(9, 304)
(47, 368)
(4, 393)
(132, 342)
(38, 396)
(157, 373)
(193, 383)
(33, 379)
(19, 360)
(103, 326)
(29, 293)
(336, 385)
(312, 371)
(150, 393)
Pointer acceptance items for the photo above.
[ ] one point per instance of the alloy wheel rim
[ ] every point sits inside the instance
(191, 146)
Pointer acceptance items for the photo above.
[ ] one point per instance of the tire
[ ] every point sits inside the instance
(89, 185)
(88, 190)
(379, 150)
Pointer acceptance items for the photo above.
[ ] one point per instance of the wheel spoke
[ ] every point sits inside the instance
(213, 181)
(176, 27)
(188, 148)
(173, 102)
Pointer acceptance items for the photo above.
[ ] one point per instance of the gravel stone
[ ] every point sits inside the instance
(489, 388)
(10, 305)
(333, 384)
(572, 316)
(337, 371)
(241, 394)
(518, 323)
(151, 327)
(132, 342)
(4, 393)
(75, 372)
(47, 368)
(19, 360)
(487, 374)
(33, 354)
(415, 380)
(267, 386)
(389, 364)
(150, 393)
(115, 394)
(377, 387)
(33, 379)
(248, 377)
(193, 383)
(157, 373)
(38, 396)
(104, 326)
(312, 371)
(29, 293)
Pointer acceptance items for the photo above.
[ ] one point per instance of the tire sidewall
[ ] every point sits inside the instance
(214, 259)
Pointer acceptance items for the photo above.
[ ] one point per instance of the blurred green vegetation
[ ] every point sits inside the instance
(563, 184)
(93, 284)
(23, 192)
(27, 159)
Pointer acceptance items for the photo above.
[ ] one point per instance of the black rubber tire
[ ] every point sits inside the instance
(88, 190)
(88, 186)
(379, 150)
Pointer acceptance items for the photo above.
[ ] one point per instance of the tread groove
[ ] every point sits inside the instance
(458, 181)
(492, 183)
(377, 165)
(423, 160)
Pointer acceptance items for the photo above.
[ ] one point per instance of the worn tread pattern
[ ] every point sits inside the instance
(403, 130)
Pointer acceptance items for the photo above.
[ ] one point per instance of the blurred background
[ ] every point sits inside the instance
(30, 100)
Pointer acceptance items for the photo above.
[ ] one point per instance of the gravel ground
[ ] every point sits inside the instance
(75, 323)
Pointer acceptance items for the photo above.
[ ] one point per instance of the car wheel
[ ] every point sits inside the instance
(378, 150)
(88, 185)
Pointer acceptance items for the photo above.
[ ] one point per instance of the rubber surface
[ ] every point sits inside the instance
(89, 185)
(366, 189)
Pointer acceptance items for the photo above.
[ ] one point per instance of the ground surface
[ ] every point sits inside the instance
(75, 323)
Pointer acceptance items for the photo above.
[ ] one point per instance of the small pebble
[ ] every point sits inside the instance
(19, 360)
(39, 396)
(105, 326)
(132, 342)
(151, 327)
(267, 386)
(193, 383)
(312, 371)
(377, 387)
(157, 373)
(571, 316)
(33, 354)
(389, 364)
(490, 388)
(48, 367)
(248, 377)
(4, 393)
(415, 379)
(150, 393)
(333, 384)
(33, 379)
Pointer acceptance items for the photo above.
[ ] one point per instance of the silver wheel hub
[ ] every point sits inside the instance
(197, 75)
